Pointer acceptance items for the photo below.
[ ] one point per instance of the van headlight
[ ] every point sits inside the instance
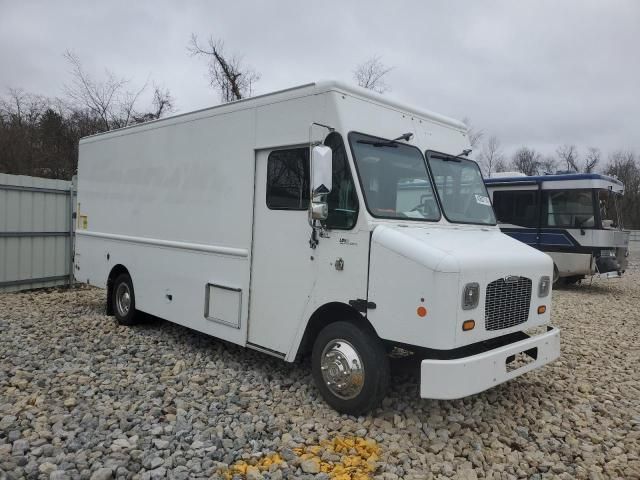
(470, 296)
(544, 285)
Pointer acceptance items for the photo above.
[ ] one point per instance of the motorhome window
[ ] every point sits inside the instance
(568, 208)
(462, 192)
(288, 179)
(343, 199)
(516, 207)
(609, 209)
(394, 179)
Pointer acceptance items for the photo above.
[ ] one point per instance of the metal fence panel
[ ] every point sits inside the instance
(36, 232)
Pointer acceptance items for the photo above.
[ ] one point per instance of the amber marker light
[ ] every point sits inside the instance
(421, 311)
(542, 309)
(468, 325)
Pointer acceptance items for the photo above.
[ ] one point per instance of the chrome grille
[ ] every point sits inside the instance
(507, 302)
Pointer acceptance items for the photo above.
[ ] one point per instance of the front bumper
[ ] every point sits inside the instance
(450, 379)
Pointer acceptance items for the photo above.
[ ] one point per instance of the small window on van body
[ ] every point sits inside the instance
(288, 179)
(516, 207)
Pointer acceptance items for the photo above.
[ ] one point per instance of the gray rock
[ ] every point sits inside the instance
(160, 444)
(19, 447)
(152, 462)
(310, 465)
(47, 468)
(102, 474)
(7, 421)
(59, 475)
(253, 474)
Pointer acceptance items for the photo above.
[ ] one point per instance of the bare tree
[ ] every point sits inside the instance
(109, 99)
(568, 154)
(370, 74)
(227, 74)
(162, 103)
(99, 97)
(592, 159)
(501, 166)
(548, 164)
(21, 107)
(527, 161)
(491, 155)
(624, 166)
(475, 136)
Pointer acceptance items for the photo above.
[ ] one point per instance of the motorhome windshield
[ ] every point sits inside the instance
(394, 179)
(568, 208)
(609, 209)
(462, 192)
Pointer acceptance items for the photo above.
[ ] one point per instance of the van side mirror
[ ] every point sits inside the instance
(321, 181)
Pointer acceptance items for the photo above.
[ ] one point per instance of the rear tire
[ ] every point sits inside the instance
(350, 367)
(123, 300)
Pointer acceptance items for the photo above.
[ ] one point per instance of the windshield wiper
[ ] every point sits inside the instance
(388, 143)
(447, 158)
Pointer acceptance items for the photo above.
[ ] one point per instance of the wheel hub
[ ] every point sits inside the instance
(342, 369)
(123, 299)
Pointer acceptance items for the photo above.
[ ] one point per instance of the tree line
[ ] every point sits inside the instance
(39, 135)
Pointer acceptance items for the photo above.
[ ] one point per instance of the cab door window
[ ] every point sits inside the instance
(288, 179)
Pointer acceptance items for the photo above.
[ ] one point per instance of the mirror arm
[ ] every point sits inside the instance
(313, 241)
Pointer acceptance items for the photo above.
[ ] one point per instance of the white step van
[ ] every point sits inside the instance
(323, 220)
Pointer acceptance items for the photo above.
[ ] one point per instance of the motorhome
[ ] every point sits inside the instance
(286, 223)
(572, 217)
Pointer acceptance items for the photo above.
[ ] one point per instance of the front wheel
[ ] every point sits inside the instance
(350, 367)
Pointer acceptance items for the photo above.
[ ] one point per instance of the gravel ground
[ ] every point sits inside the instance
(81, 397)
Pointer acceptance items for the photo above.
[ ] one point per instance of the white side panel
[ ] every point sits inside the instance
(190, 182)
(174, 205)
(286, 123)
(181, 274)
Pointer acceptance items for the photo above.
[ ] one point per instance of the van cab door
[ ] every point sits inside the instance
(282, 270)
(290, 280)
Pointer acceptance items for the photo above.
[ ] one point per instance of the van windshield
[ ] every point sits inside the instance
(394, 179)
(461, 190)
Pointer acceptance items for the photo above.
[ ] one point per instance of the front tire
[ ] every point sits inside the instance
(350, 367)
(124, 300)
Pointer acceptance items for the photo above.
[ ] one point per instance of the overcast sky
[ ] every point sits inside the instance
(535, 73)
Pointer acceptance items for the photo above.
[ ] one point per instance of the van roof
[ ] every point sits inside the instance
(313, 88)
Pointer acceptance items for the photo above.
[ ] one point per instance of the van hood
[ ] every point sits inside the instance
(454, 249)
